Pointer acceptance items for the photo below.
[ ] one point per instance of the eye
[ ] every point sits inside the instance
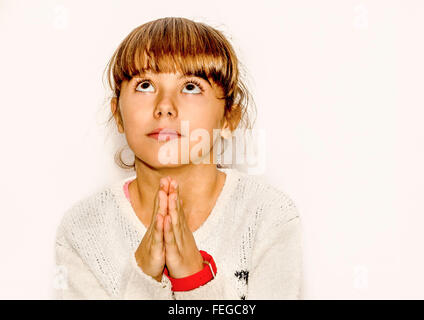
(144, 84)
(190, 84)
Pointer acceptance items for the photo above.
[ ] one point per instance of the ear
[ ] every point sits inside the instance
(232, 117)
(117, 114)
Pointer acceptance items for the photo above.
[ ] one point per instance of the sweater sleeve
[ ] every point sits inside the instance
(137, 285)
(277, 259)
(74, 280)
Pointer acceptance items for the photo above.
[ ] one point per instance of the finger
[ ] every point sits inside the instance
(157, 238)
(160, 207)
(172, 185)
(161, 187)
(179, 206)
(165, 184)
(172, 210)
(163, 202)
(169, 239)
(175, 219)
(169, 179)
(179, 202)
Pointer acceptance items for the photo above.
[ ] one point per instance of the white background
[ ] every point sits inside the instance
(338, 87)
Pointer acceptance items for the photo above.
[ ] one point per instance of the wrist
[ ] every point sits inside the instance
(158, 278)
(198, 279)
(184, 273)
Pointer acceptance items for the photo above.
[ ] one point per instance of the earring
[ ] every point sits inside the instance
(226, 133)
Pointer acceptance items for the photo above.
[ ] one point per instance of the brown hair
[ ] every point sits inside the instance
(174, 44)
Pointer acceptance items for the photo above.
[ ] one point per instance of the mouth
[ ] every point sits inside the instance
(164, 136)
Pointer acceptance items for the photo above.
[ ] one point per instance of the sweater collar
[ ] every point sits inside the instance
(208, 225)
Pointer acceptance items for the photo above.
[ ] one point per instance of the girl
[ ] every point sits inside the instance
(188, 229)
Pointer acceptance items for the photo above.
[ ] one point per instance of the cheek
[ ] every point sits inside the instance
(134, 114)
(205, 118)
(136, 125)
(203, 135)
(202, 122)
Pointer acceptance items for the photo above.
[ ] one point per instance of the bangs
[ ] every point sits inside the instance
(174, 45)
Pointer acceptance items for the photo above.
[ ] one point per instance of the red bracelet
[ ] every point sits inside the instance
(195, 280)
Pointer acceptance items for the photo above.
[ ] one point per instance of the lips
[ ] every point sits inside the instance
(165, 131)
(164, 134)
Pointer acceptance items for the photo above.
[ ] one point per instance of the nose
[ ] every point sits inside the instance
(165, 109)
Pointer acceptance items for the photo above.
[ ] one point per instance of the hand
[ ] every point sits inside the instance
(182, 256)
(150, 254)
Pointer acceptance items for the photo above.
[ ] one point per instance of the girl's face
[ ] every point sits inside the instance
(165, 100)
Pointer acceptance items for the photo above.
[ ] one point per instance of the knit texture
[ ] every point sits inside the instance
(253, 233)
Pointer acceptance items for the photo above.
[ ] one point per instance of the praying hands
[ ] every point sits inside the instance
(168, 240)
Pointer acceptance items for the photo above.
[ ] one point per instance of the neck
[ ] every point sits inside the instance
(199, 185)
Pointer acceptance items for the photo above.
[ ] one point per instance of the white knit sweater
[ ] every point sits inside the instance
(253, 233)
